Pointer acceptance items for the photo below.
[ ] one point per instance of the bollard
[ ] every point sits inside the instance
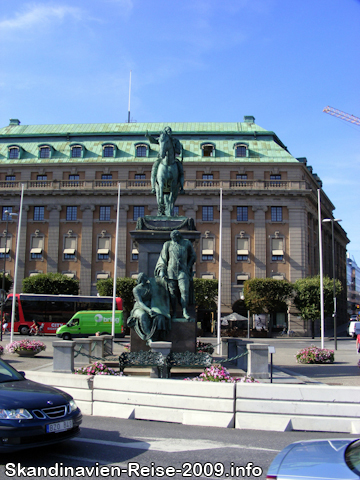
(242, 362)
(232, 349)
(108, 345)
(162, 347)
(84, 346)
(63, 357)
(258, 364)
(97, 347)
(224, 347)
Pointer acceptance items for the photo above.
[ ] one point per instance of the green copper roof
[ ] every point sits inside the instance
(263, 146)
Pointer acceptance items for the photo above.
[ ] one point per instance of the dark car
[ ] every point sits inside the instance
(33, 414)
(332, 459)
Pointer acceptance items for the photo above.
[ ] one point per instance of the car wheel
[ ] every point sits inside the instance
(24, 330)
(66, 336)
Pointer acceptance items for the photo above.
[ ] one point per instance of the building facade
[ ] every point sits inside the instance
(353, 286)
(71, 175)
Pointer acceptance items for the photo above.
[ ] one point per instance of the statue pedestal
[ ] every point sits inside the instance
(182, 336)
(152, 232)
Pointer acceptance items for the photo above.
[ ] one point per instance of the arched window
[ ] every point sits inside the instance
(14, 152)
(141, 150)
(241, 150)
(109, 150)
(77, 151)
(208, 150)
(44, 151)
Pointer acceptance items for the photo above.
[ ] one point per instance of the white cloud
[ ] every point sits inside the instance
(37, 15)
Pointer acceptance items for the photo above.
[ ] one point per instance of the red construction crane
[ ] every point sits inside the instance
(344, 116)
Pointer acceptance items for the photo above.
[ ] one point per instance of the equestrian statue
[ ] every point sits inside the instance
(167, 174)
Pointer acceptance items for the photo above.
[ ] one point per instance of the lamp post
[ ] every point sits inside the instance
(8, 214)
(332, 220)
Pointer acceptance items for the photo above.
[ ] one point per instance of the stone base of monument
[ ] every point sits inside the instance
(182, 336)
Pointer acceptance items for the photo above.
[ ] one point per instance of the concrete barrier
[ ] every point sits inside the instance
(177, 401)
(255, 406)
(297, 407)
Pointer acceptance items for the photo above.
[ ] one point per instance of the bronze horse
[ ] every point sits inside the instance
(167, 176)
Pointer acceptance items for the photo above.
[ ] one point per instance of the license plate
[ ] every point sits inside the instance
(59, 426)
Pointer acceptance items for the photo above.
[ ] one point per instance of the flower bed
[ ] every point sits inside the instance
(32, 346)
(315, 354)
(97, 368)
(218, 373)
(204, 347)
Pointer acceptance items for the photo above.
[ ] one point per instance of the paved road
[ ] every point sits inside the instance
(198, 452)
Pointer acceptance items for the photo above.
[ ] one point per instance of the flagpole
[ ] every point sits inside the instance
(18, 236)
(219, 284)
(115, 264)
(321, 272)
(129, 98)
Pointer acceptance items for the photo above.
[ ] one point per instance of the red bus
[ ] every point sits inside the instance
(52, 310)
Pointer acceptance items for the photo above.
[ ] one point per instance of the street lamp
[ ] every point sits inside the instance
(8, 214)
(332, 220)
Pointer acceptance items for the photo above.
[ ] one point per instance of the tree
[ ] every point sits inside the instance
(266, 295)
(51, 284)
(206, 292)
(307, 297)
(124, 289)
(8, 282)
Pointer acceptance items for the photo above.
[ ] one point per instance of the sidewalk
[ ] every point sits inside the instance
(344, 371)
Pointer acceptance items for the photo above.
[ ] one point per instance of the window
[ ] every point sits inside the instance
(10, 178)
(45, 152)
(5, 245)
(138, 212)
(108, 150)
(104, 214)
(207, 251)
(208, 150)
(275, 177)
(71, 213)
(37, 246)
(276, 214)
(14, 152)
(6, 216)
(140, 176)
(241, 180)
(240, 280)
(277, 249)
(240, 151)
(141, 150)
(69, 248)
(242, 251)
(207, 176)
(41, 178)
(135, 251)
(39, 213)
(242, 214)
(103, 251)
(74, 179)
(207, 214)
(106, 179)
(76, 151)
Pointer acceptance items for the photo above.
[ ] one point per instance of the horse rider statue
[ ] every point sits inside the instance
(167, 174)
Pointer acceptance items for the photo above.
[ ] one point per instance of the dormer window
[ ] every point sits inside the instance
(241, 150)
(108, 150)
(141, 150)
(77, 151)
(14, 152)
(45, 151)
(208, 150)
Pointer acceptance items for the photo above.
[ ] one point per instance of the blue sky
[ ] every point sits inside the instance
(281, 61)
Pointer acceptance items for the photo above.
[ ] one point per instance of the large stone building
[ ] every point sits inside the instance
(71, 175)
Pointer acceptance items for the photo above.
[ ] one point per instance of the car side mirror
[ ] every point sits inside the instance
(22, 373)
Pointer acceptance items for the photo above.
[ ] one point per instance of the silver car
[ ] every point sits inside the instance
(317, 459)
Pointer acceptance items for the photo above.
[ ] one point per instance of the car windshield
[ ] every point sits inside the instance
(8, 373)
(352, 457)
